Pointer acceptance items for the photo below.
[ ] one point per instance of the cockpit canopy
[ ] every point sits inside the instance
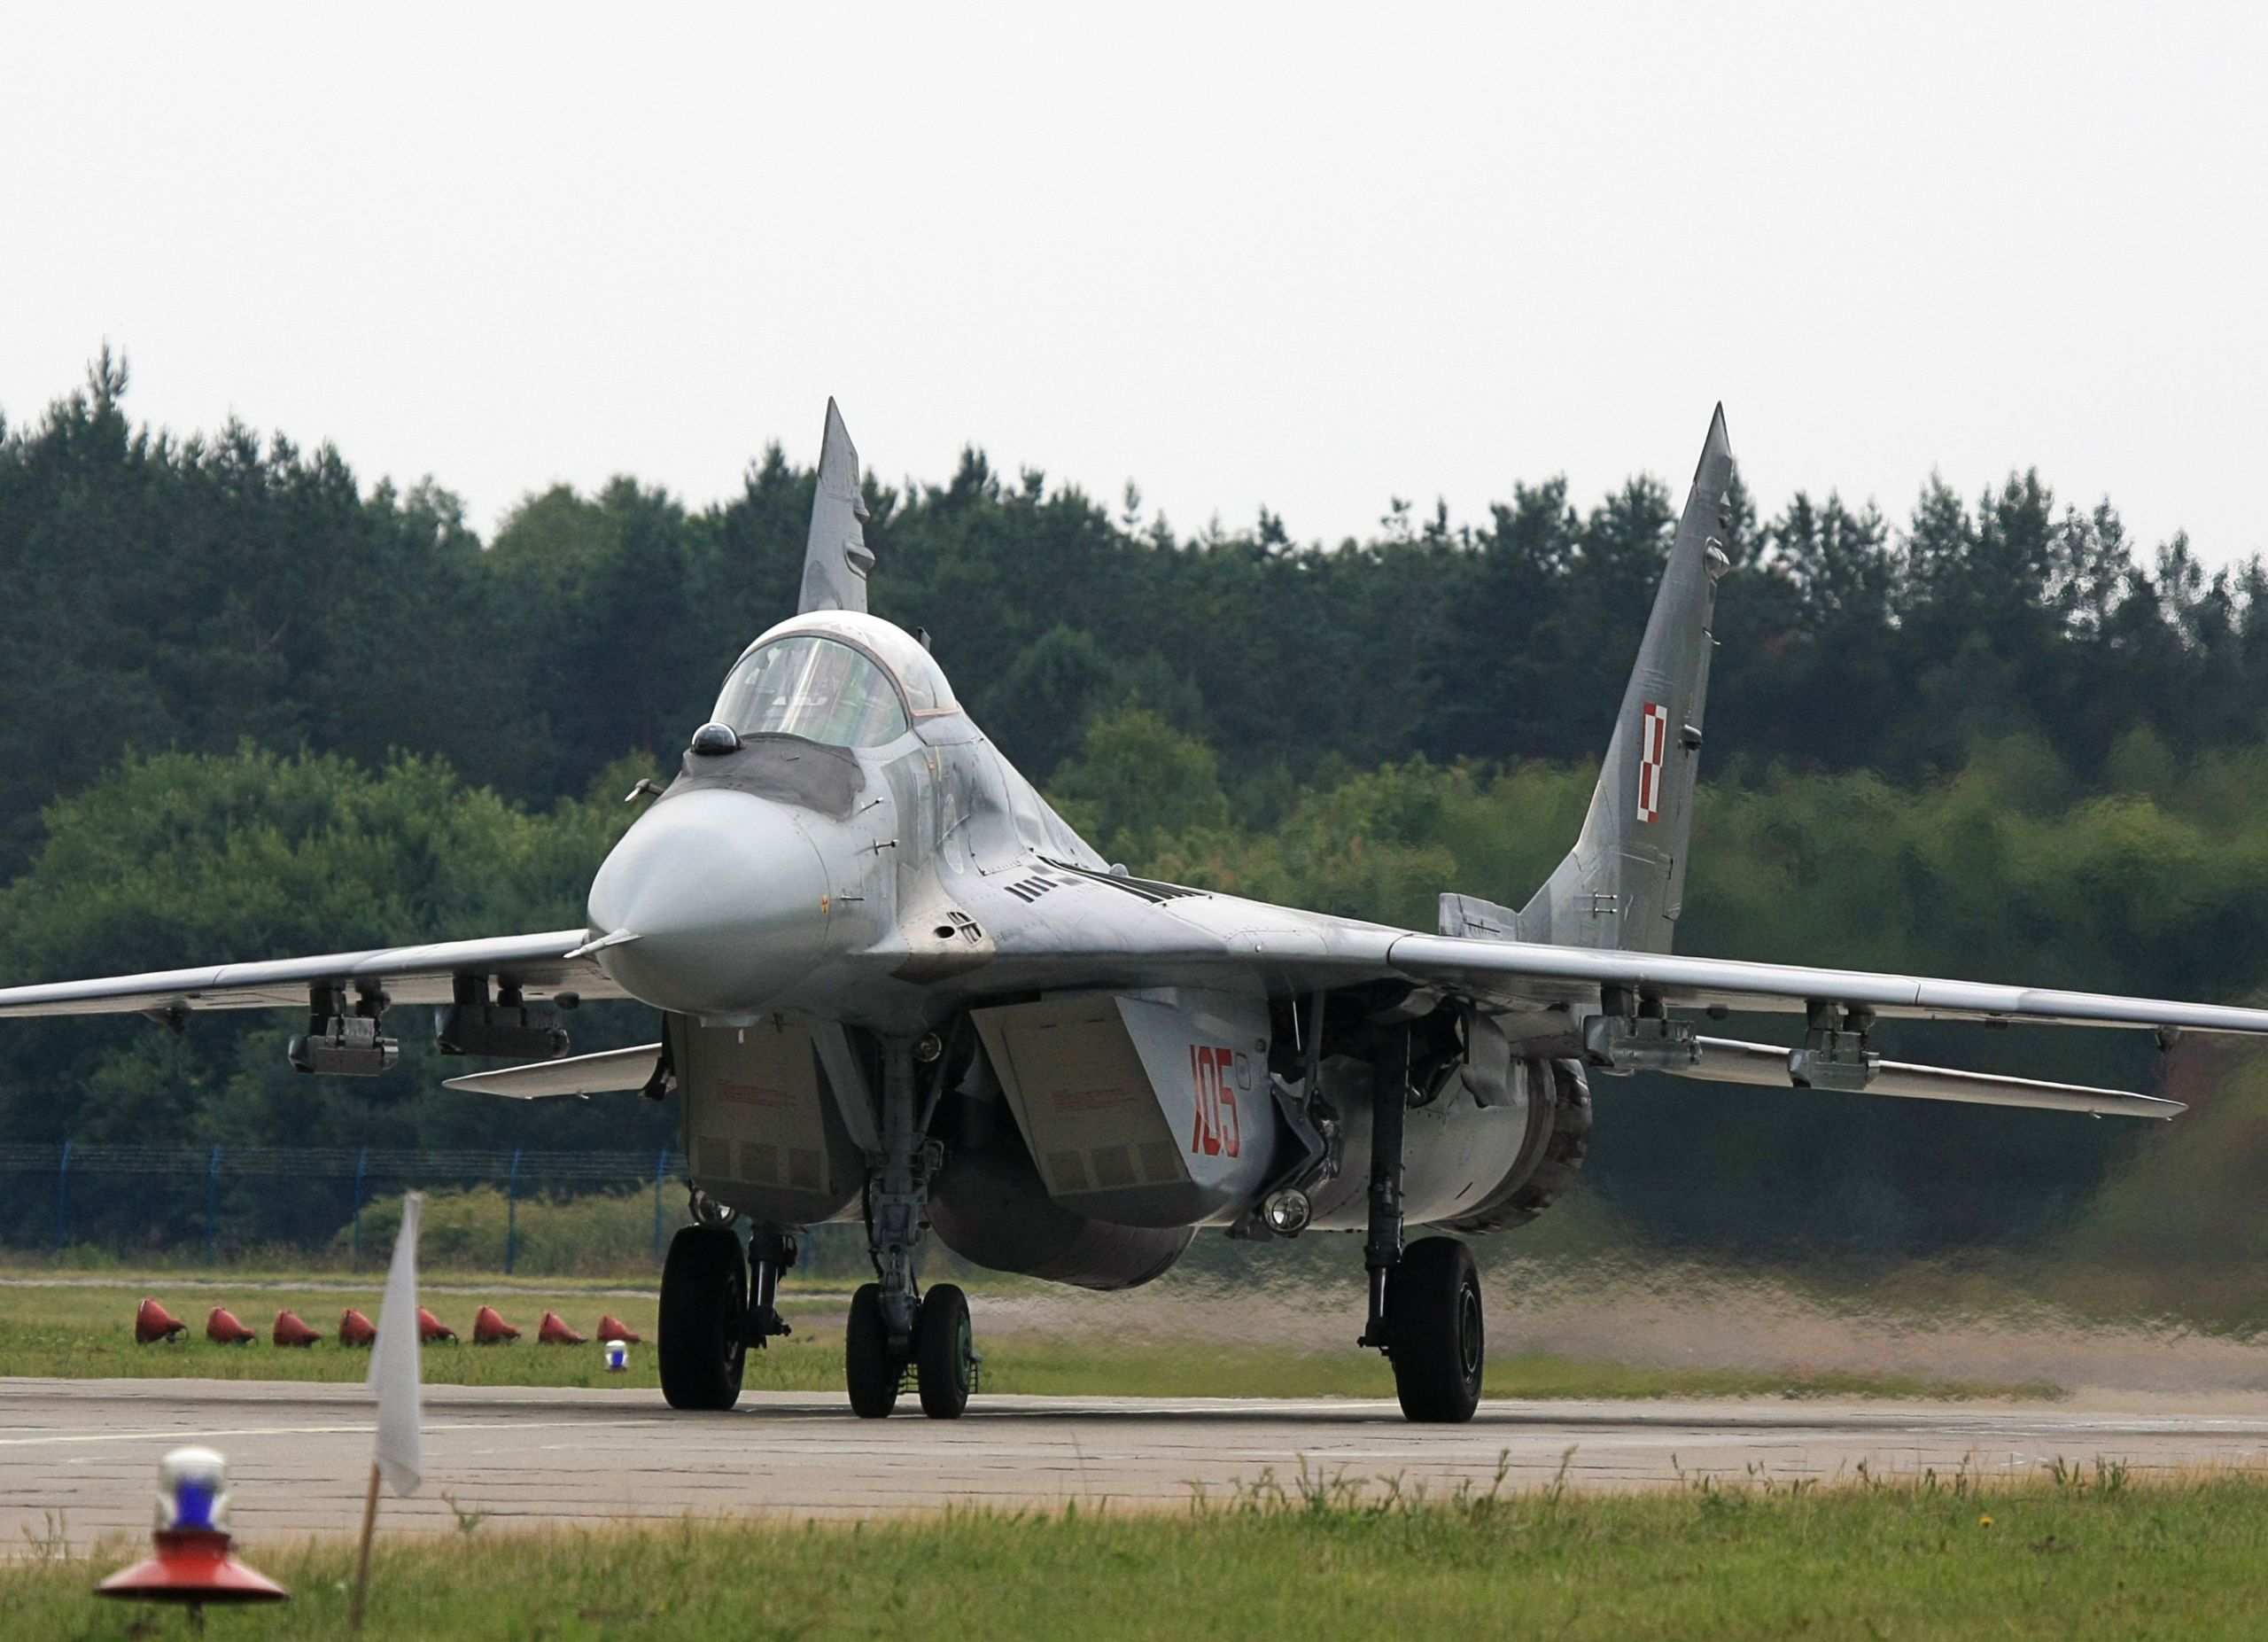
(839, 677)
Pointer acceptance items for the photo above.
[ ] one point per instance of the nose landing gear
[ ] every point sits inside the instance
(893, 1326)
(940, 1359)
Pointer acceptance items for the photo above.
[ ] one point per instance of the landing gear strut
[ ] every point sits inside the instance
(1425, 1301)
(893, 1326)
(772, 1251)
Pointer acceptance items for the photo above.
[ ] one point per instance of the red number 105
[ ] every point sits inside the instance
(1218, 1129)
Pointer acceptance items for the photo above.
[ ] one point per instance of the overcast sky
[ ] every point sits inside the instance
(1313, 257)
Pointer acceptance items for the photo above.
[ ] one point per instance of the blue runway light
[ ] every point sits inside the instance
(193, 1491)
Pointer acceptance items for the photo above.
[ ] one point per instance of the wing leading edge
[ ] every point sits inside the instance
(543, 965)
(1518, 975)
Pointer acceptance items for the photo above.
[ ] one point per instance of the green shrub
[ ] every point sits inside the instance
(465, 1228)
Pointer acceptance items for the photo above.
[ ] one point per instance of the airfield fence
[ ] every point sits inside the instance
(172, 1201)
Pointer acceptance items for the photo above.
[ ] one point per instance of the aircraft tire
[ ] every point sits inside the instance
(1433, 1310)
(944, 1352)
(704, 1302)
(871, 1369)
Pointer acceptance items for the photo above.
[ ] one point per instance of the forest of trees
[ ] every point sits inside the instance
(255, 707)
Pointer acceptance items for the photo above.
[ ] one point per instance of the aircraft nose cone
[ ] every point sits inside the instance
(726, 898)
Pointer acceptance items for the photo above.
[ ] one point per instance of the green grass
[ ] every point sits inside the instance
(86, 1332)
(2087, 1557)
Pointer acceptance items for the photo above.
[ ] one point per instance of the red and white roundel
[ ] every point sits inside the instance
(1653, 742)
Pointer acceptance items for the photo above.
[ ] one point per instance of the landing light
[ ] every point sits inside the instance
(1287, 1212)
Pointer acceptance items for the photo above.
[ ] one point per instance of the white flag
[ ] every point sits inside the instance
(393, 1361)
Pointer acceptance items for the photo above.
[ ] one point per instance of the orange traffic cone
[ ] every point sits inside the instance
(612, 1327)
(431, 1328)
(222, 1328)
(489, 1328)
(554, 1331)
(356, 1329)
(291, 1331)
(154, 1322)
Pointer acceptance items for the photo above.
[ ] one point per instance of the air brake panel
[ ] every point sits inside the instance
(1149, 1109)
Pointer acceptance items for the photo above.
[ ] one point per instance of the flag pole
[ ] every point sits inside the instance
(362, 1561)
(397, 1453)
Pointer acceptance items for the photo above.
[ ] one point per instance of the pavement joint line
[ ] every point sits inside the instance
(181, 1432)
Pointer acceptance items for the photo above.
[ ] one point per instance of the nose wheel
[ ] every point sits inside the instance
(871, 1368)
(942, 1354)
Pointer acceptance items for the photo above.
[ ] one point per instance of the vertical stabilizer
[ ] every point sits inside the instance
(1623, 884)
(837, 559)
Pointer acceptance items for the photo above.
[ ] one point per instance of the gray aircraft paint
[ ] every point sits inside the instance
(837, 558)
(829, 898)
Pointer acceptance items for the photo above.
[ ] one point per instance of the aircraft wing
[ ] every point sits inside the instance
(1112, 930)
(543, 965)
(1517, 974)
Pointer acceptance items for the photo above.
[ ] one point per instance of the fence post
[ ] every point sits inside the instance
(362, 1170)
(63, 1201)
(661, 1173)
(212, 1208)
(512, 1212)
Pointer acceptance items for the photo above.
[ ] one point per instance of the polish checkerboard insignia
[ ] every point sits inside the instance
(1653, 742)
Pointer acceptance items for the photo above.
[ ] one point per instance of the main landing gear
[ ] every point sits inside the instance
(1424, 1309)
(711, 1312)
(894, 1327)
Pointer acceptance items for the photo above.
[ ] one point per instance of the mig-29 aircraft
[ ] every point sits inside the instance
(896, 989)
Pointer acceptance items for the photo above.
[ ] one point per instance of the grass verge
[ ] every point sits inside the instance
(85, 1333)
(2085, 1556)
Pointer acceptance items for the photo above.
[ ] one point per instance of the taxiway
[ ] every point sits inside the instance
(78, 1458)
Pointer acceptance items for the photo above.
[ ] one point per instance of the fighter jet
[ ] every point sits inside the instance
(896, 990)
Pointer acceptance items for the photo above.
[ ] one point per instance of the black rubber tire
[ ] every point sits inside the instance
(1437, 1346)
(944, 1352)
(704, 1305)
(870, 1369)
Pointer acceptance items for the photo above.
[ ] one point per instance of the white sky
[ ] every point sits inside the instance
(1312, 257)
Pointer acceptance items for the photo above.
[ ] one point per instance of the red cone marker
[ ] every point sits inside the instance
(554, 1331)
(612, 1327)
(431, 1328)
(222, 1328)
(291, 1331)
(356, 1329)
(153, 1322)
(489, 1328)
